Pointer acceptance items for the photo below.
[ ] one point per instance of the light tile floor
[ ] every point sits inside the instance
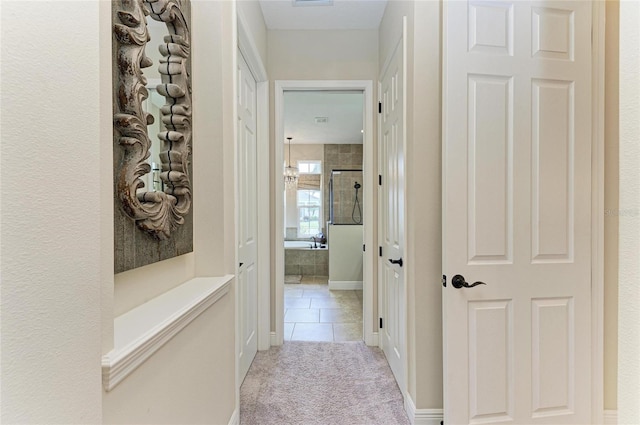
(314, 313)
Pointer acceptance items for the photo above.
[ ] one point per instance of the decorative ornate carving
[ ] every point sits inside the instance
(157, 213)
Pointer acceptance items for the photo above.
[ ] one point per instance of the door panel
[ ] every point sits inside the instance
(490, 169)
(517, 205)
(391, 199)
(552, 369)
(553, 176)
(247, 217)
(491, 359)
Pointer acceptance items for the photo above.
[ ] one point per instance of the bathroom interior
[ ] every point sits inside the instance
(323, 217)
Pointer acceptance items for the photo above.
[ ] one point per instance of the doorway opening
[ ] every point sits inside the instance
(323, 277)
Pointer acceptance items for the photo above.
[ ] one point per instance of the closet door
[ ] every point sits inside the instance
(517, 212)
(391, 198)
(247, 218)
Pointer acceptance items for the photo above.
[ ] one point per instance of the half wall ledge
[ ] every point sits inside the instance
(139, 333)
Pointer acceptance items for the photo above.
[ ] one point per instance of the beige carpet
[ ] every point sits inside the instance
(321, 383)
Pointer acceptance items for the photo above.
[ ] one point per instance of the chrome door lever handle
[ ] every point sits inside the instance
(459, 282)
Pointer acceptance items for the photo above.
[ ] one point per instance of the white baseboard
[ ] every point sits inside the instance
(422, 416)
(235, 418)
(272, 339)
(372, 340)
(610, 417)
(345, 285)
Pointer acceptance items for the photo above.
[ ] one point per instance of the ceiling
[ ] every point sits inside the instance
(322, 14)
(343, 111)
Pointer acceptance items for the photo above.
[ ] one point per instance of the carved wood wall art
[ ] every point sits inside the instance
(156, 213)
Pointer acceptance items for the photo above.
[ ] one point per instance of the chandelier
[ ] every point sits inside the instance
(290, 173)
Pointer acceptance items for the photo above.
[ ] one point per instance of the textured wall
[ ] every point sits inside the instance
(629, 237)
(57, 293)
(51, 212)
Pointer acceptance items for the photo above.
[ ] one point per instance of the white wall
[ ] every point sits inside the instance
(192, 378)
(59, 293)
(345, 253)
(252, 14)
(629, 217)
(51, 212)
(188, 381)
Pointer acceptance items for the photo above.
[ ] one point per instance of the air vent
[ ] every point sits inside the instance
(322, 120)
(312, 2)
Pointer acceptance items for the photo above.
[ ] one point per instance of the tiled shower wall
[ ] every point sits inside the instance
(342, 157)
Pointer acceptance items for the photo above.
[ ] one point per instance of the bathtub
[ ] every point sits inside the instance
(301, 245)
(301, 259)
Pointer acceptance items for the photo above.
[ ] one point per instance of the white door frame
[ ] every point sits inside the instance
(250, 53)
(400, 43)
(597, 187)
(369, 168)
(597, 213)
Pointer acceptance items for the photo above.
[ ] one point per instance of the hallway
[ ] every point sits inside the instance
(83, 342)
(321, 383)
(314, 313)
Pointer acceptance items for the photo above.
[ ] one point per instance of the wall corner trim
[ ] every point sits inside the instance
(422, 416)
(139, 333)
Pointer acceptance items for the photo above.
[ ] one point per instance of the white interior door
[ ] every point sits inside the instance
(391, 197)
(517, 211)
(247, 218)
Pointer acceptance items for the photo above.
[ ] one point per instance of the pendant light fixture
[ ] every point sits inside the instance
(290, 173)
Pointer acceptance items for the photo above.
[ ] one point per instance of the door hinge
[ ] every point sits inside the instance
(364, 248)
(381, 323)
(380, 251)
(444, 280)
(379, 179)
(379, 107)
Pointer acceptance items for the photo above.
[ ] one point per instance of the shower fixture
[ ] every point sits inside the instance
(357, 218)
(341, 200)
